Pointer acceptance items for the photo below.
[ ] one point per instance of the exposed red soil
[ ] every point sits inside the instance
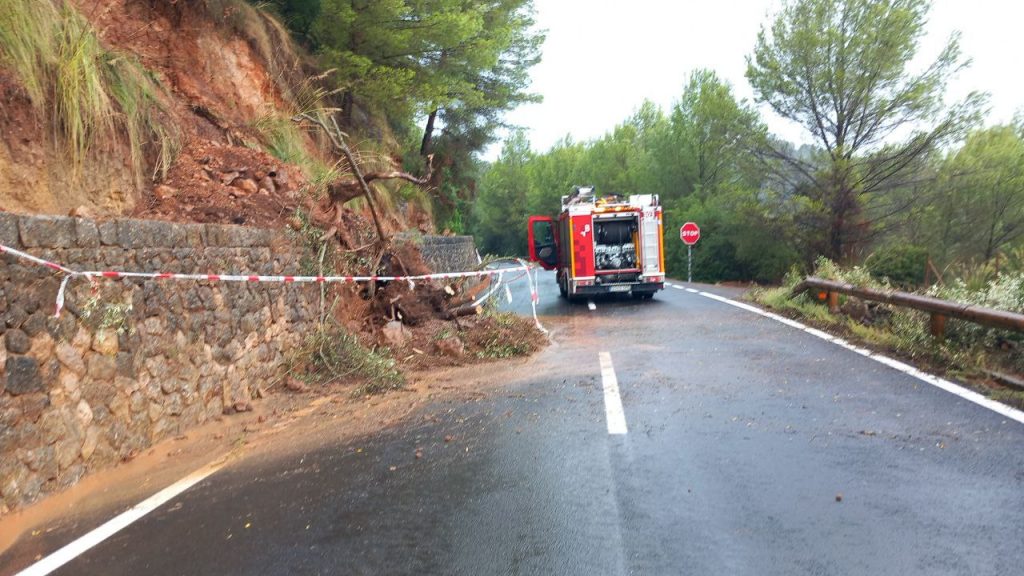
(199, 53)
(199, 187)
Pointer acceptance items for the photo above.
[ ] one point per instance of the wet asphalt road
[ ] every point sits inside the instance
(752, 448)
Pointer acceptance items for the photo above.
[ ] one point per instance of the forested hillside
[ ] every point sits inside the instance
(898, 173)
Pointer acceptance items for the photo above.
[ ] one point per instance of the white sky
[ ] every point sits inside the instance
(602, 58)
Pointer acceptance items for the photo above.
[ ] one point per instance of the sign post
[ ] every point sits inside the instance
(689, 233)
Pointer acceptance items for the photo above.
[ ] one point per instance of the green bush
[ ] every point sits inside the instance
(330, 354)
(858, 275)
(1004, 292)
(903, 265)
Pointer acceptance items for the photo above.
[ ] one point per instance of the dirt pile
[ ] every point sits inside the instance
(215, 183)
(206, 71)
(429, 324)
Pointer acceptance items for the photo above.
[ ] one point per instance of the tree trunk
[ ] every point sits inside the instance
(347, 104)
(843, 222)
(428, 133)
(835, 238)
(463, 311)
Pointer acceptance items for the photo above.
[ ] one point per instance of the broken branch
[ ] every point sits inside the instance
(464, 311)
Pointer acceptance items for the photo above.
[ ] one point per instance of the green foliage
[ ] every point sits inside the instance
(455, 224)
(477, 55)
(857, 275)
(499, 215)
(445, 333)
(802, 306)
(472, 77)
(739, 239)
(135, 90)
(299, 15)
(320, 176)
(459, 64)
(840, 68)
(552, 174)
(82, 107)
(985, 194)
(283, 139)
(504, 319)
(1011, 397)
(407, 57)
(366, 43)
(94, 94)
(316, 259)
(1004, 292)
(504, 335)
(104, 312)
(497, 347)
(713, 135)
(28, 29)
(902, 265)
(330, 354)
(696, 159)
(880, 337)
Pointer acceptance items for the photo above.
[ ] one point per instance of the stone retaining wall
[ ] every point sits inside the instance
(132, 362)
(449, 253)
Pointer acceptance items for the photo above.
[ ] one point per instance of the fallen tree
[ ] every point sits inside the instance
(341, 191)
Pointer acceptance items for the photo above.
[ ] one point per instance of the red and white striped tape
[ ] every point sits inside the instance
(92, 275)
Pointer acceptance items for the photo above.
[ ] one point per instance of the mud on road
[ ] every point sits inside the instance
(283, 423)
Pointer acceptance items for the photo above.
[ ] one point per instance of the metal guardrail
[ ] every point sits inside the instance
(939, 309)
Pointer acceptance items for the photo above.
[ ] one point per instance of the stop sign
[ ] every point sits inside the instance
(689, 233)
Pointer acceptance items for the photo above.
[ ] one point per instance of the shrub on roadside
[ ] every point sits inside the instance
(901, 265)
(331, 354)
(967, 347)
(1004, 292)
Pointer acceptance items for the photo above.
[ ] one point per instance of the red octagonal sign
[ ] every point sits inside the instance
(689, 233)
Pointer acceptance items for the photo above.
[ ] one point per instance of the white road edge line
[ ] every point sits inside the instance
(612, 400)
(969, 395)
(591, 305)
(118, 523)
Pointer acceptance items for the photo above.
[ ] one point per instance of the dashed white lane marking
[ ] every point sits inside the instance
(116, 524)
(612, 401)
(969, 395)
(591, 305)
(678, 287)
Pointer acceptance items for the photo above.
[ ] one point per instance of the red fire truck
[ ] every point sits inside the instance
(602, 245)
